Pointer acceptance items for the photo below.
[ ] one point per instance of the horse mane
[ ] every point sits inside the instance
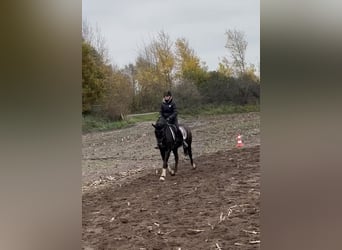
(161, 123)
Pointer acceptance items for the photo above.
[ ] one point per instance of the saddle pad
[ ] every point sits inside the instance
(183, 132)
(173, 133)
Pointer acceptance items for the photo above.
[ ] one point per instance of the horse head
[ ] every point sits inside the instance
(160, 130)
(160, 124)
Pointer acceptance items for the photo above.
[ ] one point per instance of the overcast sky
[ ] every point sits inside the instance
(127, 25)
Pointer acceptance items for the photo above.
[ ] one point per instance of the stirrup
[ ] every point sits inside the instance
(185, 144)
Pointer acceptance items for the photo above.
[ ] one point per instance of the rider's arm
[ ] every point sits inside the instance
(174, 114)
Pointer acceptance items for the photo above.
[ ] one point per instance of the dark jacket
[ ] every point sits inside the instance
(168, 110)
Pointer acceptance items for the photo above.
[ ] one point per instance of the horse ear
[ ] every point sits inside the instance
(153, 125)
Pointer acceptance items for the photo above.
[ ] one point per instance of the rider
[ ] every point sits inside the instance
(168, 110)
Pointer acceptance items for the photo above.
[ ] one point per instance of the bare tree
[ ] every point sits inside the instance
(187, 63)
(166, 60)
(94, 37)
(237, 45)
(158, 59)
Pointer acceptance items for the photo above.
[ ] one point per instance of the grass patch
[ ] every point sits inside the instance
(91, 123)
(143, 118)
(220, 109)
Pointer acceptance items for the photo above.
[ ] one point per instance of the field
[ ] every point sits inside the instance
(216, 206)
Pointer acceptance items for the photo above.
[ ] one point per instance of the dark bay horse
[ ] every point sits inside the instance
(168, 140)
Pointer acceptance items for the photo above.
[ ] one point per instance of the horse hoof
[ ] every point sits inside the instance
(171, 171)
(162, 178)
(193, 166)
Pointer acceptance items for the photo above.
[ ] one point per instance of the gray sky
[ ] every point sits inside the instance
(127, 25)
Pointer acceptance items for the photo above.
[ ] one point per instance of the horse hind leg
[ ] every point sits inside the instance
(190, 156)
(175, 153)
(171, 171)
(174, 170)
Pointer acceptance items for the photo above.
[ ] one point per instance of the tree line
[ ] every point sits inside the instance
(162, 65)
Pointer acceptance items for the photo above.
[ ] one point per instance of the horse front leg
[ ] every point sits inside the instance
(162, 154)
(175, 153)
(165, 160)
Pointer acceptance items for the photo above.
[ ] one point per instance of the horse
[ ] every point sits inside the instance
(168, 140)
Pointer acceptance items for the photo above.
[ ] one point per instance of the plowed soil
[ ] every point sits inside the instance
(216, 206)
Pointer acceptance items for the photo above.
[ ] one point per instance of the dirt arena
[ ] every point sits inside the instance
(216, 206)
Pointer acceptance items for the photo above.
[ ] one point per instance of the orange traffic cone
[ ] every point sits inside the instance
(239, 142)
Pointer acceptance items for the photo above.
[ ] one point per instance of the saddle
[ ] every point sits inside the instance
(181, 132)
(184, 134)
